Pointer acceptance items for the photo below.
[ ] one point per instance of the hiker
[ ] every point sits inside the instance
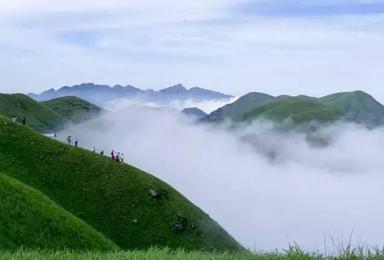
(113, 154)
(102, 152)
(24, 121)
(118, 157)
(14, 120)
(55, 135)
(122, 158)
(76, 142)
(69, 139)
(94, 149)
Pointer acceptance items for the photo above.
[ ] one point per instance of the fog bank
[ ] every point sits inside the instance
(207, 106)
(307, 194)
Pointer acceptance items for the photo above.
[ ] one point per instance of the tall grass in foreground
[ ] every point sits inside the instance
(294, 252)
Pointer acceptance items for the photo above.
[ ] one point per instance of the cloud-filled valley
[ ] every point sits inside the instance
(220, 129)
(308, 194)
(207, 106)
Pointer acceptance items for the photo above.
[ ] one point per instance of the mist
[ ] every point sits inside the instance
(315, 196)
(207, 106)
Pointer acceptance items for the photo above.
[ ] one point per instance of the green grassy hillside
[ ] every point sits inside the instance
(298, 109)
(116, 200)
(30, 219)
(357, 107)
(39, 117)
(73, 108)
(346, 252)
(150, 254)
(239, 107)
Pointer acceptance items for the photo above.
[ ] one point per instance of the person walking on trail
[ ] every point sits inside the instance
(113, 154)
(122, 158)
(102, 152)
(14, 120)
(69, 139)
(76, 142)
(55, 135)
(24, 121)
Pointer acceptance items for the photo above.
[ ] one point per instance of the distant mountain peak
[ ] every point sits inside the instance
(256, 95)
(194, 112)
(84, 85)
(101, 94)
(362, 94)
(117, 86)
(197, 88)
(130, 87)
(176, 89)
(125, 88)
(52, 90)
(179, 85)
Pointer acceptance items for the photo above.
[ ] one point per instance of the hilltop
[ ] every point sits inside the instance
(102, 94)
(357, 107)
(39, 116)
(194, 112)
(239, 107)
(48, 116)
(74, 109)
(131, 208)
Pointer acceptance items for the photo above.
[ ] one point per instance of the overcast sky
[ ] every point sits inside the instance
(234, 46)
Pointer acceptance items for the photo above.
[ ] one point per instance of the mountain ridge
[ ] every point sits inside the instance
(73, 108)
(355, 106)
(49, 116)
(38, 116)
(101, 94)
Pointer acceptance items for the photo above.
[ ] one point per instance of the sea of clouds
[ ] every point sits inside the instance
(268, 188)
(207, 106)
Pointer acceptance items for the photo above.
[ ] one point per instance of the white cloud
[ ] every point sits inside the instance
(207, 106)
(306, 195)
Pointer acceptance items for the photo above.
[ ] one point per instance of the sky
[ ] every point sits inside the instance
(232, 46)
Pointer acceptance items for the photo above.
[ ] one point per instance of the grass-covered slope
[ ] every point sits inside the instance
(116, 200)
(73, 108)
(150, 254)
(298, 109)
(29, 219)
(292, 253)
(39, 117)
(357, 106)
(239, 107)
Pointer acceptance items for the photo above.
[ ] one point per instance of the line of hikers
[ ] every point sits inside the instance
(118, 157)
(69, 140)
